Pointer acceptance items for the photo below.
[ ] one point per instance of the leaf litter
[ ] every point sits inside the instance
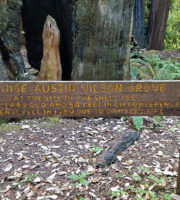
(59, 161)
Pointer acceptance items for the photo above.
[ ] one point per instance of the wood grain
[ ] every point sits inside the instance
(89, 99)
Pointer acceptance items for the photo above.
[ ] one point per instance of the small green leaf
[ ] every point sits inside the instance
(84, 182)
(138, 122)
(74, 177)
(136, 178)
(84, 175)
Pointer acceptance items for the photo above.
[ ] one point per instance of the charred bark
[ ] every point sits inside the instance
(11, 62)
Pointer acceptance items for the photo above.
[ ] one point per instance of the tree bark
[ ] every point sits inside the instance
(50, 64)
(11, 62)
(138, 22)
(157, 23)
(101, 39)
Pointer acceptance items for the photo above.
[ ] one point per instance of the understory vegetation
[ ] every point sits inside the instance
(172, 38)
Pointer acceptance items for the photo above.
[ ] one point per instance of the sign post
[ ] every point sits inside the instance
(89, 99)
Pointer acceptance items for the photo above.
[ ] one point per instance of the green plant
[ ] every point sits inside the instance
(30, 178)
(95, 149)
(136, 178)
(118, 193)
(155, 179)
(81, 178)
(167, 197)
(158, 121)
(138, 122)
(154, 68)
(163, 69)
(172, 37)
(15, 185)
(144, 169)
(119, 176)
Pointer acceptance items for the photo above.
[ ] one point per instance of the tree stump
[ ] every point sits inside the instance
(50, 64)
(11, 62)
(102, 32)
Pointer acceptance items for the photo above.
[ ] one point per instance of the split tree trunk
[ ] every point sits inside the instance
(11, 62)
(50, 64)
(157, 23)
(101, 39)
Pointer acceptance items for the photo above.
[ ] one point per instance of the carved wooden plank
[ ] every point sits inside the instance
(89, 99)
(50, 64)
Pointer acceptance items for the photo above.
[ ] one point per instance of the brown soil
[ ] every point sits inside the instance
(54, 149)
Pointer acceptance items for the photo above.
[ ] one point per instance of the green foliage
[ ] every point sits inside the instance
(118, 193)
(145, 170)
(138, 122)
(6, 127)
(95, 149)
(81, 178)
(30, 178)
(155, 68)
(158, 121)
(172, 38)
(147, 185)
(15, 185)
(136, 178)
(155, 179)
(164, 69)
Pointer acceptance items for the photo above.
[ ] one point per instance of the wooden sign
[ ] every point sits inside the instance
(89, 99)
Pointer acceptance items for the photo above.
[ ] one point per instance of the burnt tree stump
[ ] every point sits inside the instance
(50, 64)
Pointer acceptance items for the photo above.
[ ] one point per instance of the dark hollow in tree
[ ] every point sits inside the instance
(34, 13)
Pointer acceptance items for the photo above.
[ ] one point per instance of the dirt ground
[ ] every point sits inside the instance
(38, 156)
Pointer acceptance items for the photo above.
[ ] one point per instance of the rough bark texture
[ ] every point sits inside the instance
(158, 20)
(11, 62)
(138, 22)
(109, 156)
(34, 13)
(101, 39)
(50, 64)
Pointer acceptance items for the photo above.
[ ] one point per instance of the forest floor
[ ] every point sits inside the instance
(37, 157)
(56, 158)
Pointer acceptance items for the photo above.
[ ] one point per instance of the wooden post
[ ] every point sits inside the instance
(50, 64)
(176, 196)
(178, 179)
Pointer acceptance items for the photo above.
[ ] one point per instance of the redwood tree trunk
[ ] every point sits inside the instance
(11, 62)
(101, 39)
(138, 22)
(158, 21)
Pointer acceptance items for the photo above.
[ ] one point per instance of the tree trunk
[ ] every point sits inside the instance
(138, 22)
(101, 39)
(11, 62)
(50, 65)
(157, 24)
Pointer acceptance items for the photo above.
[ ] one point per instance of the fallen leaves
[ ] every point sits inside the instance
(35, 163)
